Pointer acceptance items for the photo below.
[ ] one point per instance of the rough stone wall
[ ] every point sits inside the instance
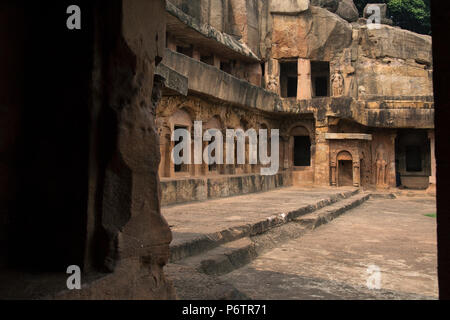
(384, 61)
(379, 77)
(136, 237)
(315, 34)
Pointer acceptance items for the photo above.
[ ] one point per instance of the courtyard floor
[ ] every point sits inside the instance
(395, 236)
(332, 262)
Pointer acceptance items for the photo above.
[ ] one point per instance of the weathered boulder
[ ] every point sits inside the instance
(315, 34)
(330, 5)
(347, 10)
(394, 62)
(289, 7)
(386, 41)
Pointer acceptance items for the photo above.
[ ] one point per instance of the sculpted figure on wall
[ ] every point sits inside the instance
(361, 92)
(337, 83)
(273, 84)
(381, 162)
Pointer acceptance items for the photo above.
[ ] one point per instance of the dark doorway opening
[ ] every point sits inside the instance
(320, 78)
(302, 151)
(413, 159)
(225, 67)
(321, 86)
(208, 59)
(289, 79)
(345, 173)
(292, 87)
(186, 50)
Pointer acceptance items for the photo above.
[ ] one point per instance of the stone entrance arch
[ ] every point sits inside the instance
(345, 170)
(301, 153)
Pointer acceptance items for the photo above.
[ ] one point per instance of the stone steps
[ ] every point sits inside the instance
(211, 241)
(235, 254)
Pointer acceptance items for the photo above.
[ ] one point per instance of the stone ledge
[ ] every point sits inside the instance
(173, 81)
(213, 82)
(207, 35)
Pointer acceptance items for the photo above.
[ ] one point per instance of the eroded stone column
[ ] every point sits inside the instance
(322, 158)
(137, 235)
(333, 174)
(431, 136)
(356, 174)
(216, 61)
(304, 79)
(196, 54)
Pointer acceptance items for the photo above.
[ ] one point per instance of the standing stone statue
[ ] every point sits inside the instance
(337, 84)
(381, 166)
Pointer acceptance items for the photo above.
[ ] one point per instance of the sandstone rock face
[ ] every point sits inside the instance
(316, 34)
(138, 237)
(199, 9)
(394, 62)
(387, 41)
(244, 22)
(347, 10)
(288, 6)
(393, 77)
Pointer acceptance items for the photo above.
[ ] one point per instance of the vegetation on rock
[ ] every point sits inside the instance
(412, 15)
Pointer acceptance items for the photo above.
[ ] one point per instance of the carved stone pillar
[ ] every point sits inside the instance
(322, 158)
(304, 89)
(204, 166)
(196, 54)
(356, 174)
(272, 76)
(247, 165)
(195, 169)
(333, 174)
(216, 61)
(286, 152)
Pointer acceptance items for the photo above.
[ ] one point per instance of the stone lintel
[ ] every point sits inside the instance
(348, 136)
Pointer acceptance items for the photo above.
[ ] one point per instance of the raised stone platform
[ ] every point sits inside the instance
(197, 227)
(181, 190)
